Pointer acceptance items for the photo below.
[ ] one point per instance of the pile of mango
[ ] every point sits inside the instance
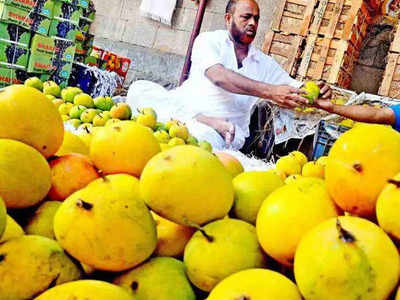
(115, 217)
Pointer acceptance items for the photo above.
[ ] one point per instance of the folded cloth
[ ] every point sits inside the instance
(159, 10)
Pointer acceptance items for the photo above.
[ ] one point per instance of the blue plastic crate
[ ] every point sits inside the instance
(326, 134)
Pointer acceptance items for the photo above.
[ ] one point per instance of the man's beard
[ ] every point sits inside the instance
(240, 37)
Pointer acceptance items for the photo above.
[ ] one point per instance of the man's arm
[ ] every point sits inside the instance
(233, 82)
(359, 113)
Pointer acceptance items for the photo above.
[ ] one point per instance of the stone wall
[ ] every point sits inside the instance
(158, 51)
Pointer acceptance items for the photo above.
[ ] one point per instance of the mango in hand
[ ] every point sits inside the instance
(311, 90)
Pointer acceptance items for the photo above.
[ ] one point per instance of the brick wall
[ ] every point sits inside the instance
(157, 50)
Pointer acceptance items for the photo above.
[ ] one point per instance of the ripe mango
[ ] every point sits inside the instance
(346, 258)
(30, 265)
(177, 185)
(86, 290)
(255, 284)
(220, 249)
(42, 222)
(161, 278)
(106, 225)
(25, 176)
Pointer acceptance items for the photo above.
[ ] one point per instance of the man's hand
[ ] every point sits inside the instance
(324, 90)
(225, 128)
(287, 96)
(324, 104)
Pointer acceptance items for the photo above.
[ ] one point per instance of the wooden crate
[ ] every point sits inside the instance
(390, 85)
(332, 60)
(293, 16)
(343, 79)
(395, 45)
(285, 49)
(341, 19)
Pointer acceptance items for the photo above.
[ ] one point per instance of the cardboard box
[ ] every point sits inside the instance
(112, 62)
(72, 2)
(28, 20)
(84, 3)
(63, 29)
(41, 7)
(40, 24)
(67, 11)
(79, 58)
(124, 64)
(65, 50)
(43, 45)
(15, 33)
(81, 3)
(13, 55)
(45, 77)
(9, 76)
(62, 82)
(80, 35)
(88, 41)
(62, 68)
(84, 25)
(79, 48)
(40, 63)
(61, 72)
(91, 61)
(89, 13)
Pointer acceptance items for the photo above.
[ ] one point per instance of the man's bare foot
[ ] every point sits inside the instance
(225, 128)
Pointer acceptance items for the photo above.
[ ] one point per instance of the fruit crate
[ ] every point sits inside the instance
(395, 45)
(342, 19)
(328, 59)
(390, 85)
(293, 16)
(285, 49)
(325, 136)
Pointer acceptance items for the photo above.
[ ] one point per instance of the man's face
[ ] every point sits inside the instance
(243, 23)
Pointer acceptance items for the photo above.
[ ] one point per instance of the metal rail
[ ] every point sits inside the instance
(195, 32)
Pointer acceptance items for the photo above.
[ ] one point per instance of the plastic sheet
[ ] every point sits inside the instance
(94, 81)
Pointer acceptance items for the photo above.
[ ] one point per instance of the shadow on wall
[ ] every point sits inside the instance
(368, 72)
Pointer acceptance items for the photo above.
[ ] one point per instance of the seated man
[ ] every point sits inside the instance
(362, 113)
(227, 78)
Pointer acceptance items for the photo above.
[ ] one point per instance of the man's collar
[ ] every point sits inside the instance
(253, 52)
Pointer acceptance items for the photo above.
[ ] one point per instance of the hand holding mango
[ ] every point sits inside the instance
(312, 91)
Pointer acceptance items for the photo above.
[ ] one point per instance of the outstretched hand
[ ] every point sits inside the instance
(287, 96)
(324, 104)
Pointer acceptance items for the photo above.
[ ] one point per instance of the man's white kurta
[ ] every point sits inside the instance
(198, 95)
